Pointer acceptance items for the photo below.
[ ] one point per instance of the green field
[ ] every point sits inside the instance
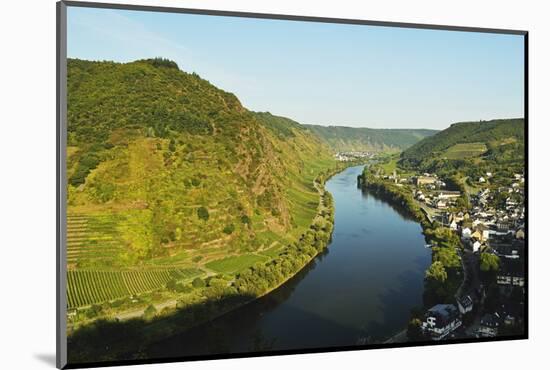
(92, 240)
(273, 251)
(497, 140)
(92, 287)
(389, 166)
(231, 265)
(467, 150)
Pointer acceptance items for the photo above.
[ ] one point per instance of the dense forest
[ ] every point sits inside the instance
(342, 139)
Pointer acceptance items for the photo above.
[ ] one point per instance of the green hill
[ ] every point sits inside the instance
(170, 176)
(482, 143)
(368, 139)
(281, 127)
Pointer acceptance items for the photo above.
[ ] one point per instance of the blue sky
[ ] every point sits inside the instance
(318, 73)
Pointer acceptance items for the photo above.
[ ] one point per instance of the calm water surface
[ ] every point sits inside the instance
(362, 287)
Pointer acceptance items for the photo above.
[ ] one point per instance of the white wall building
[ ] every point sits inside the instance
(441, 320)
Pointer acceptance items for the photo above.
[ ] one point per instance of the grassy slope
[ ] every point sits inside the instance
(465, 150)
(368, 139)
(470, 137)
(152, 147)
(468, 150)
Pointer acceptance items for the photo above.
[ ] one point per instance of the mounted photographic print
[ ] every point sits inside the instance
(235, 184)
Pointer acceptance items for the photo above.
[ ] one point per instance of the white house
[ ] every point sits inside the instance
(466, 233)
(441, 320)
(476, 246)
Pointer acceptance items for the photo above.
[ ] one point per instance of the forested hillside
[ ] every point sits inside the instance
(171, 176)
(473, 147)
(368, 139)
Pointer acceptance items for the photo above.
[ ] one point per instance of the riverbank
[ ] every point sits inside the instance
(248, 286)
(358, 292)
(395, 195)
(445, 274)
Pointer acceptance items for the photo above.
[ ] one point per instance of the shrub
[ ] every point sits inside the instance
(198, 283)
(203, 214)
(182, 288)
(229, 229)
(171, 285)
(150, 312)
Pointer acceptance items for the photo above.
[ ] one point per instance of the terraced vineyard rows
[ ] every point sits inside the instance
(92, 239)
(88, 287)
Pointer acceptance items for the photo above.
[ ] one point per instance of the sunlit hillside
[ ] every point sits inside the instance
(171, 179)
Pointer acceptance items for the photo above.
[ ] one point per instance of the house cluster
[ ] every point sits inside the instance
(396, 179)
(439, 199)
(425, 181)
(431, 191)
(352, 156)
(505, 315)
(491, 227)
(428, 181)
(442, 320)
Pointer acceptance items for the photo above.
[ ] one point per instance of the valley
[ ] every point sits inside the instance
(186, 209)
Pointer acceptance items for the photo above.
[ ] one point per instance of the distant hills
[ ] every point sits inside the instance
(480, 142)
(340, 138)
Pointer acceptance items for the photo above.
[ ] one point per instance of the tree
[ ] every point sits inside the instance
(489, 262)
(229, 229)
(171, 284)
(437, 272)
(447, 256)
(414, 330)
(198, 283)
(150, 312)
(216, 288)
(161, 62)
(172, 145)
(203, 214)
(94, 311)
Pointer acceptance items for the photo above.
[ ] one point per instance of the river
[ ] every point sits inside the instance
(361, 289)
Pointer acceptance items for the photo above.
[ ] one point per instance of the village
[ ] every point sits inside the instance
(490, 301)
(351, 156)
